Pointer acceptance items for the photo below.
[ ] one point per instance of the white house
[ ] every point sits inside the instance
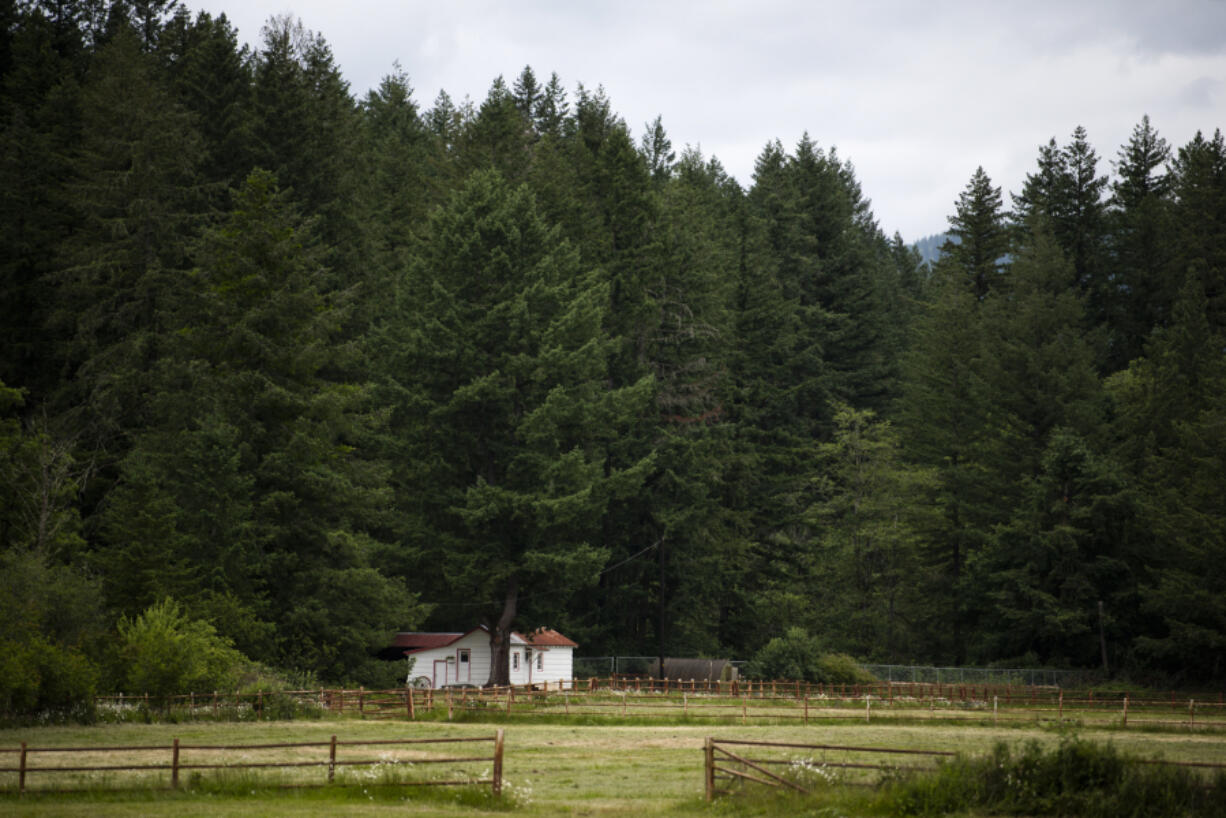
(442, 659)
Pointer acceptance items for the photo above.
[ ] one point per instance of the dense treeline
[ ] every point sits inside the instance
(302, 369)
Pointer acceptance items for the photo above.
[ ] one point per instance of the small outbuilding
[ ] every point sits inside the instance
(463, 658)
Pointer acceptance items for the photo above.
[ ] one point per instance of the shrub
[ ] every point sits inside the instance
(1077, 778)
(797, 655)
(163, 652)
(38, 676)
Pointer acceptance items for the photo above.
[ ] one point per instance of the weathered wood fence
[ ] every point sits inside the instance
(722, 764)
(775, 764)
(24, 757)
(722, 700)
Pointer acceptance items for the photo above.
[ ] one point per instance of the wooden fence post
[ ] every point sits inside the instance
(449, 704)
(174, 766)
(1061, 705)
(995, 704)
(332, 760)
(497, 784)
(868, 703)
(214, 704)
(361, 700)
(21, 775)
(806, 708)
(1191, 712)
(1125, 722)
(510, 697)
(709, 765)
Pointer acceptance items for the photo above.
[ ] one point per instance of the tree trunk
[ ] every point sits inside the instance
(500, 638)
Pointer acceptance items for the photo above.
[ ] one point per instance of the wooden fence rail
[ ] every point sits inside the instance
(722, 764)
(175, 765)
(652, 698)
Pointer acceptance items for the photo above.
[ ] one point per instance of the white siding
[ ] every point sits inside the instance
(558, 664)
(442, 666)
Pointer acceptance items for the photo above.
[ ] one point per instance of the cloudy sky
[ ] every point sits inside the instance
(916, 95)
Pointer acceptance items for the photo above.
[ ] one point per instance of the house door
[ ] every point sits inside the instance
(463, 665)
(440, 675)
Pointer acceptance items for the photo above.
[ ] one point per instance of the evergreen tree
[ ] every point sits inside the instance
(134, 193)
(1171, 426)
(39, 128)
(1057, 572)
(982, 241)
(306, 130)
(211, 75)
(658, 150)
(945, 421)
(1141, 251)
(869, 509)
(1040, 357)
(400, 190)
(1199, 217)
(527, 93)
(260, 485)
(499, 361)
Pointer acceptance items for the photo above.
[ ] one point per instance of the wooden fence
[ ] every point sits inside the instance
(723, 766)
(154, 760)
(621, 697)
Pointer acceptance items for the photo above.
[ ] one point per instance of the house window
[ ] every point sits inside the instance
(540, 660)
(515, 660)
(463, 657)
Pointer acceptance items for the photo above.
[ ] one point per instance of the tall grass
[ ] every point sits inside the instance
(1076, 778)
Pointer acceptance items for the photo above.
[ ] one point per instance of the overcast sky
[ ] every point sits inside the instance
(916, 95)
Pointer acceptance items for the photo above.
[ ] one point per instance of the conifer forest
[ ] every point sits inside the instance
(291, 370)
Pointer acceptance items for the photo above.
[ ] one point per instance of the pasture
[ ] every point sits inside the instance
(552, 768)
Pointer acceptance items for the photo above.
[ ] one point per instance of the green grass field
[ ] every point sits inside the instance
(553, 769)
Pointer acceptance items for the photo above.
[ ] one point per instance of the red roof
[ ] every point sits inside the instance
(411, 641)
(424, 641)
(548, 637)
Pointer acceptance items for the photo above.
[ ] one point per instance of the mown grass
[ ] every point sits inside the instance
(554, 769)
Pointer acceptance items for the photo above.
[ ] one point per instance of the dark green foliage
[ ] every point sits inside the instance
(497, 364)
(977, 239)
(796, 655)
(1077, 778)
(870, 508)
(137, 205)
(51, 637)
(162, 652)
(489, 350)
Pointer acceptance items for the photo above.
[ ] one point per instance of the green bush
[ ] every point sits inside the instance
(163, 652)
(39, 677)
(797, 655)
(1078, 778)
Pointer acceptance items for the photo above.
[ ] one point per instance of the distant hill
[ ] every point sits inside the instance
(929, 247)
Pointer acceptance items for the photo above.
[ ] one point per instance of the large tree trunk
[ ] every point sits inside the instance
(500, 638)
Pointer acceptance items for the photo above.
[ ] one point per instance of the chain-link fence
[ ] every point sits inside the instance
(604, 667)
(925, 674)
(608, 666)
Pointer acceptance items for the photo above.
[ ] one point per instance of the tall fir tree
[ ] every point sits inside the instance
(500, 363)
